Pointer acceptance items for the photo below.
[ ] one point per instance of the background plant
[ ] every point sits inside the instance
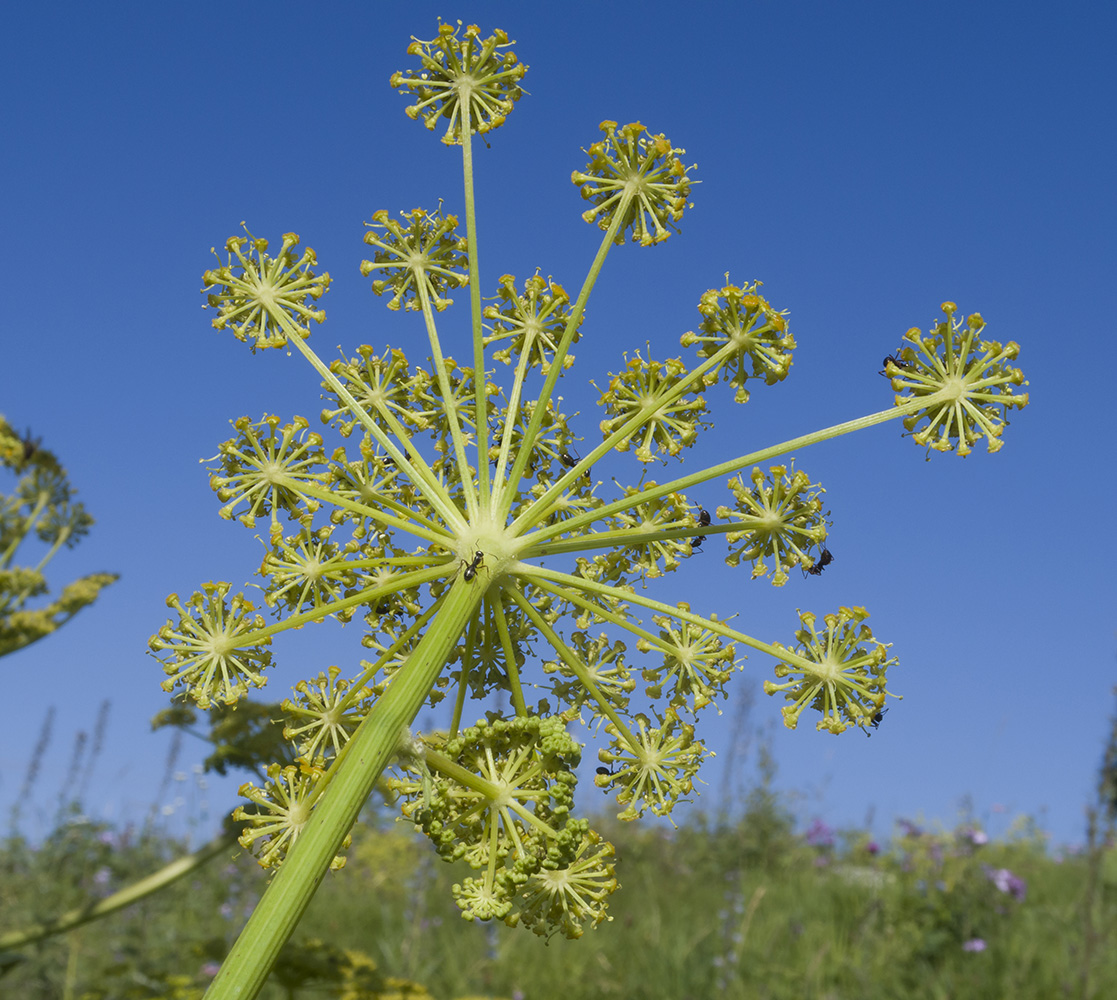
(39, 508)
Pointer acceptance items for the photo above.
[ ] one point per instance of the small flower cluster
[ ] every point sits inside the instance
(962, 384)
(470, 82)
(839, 672)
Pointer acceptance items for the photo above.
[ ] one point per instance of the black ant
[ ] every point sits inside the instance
(703, 521)
(606, 771)
(471, 568)
(572, 460)
(824, 560)
(894, 360)
(876, 720)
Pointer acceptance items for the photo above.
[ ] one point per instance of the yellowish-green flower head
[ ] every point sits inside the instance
(500, 561)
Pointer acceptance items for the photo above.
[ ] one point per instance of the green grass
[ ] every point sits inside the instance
(747, 910)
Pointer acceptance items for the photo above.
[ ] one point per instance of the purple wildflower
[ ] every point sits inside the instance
(976, 837)
(872, 847)
(819, 835)
(974, 944)
(1004, 880)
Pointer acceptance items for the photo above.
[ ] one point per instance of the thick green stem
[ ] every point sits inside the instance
(118, 900)
(367, 754)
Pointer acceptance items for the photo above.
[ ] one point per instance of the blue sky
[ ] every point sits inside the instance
(866, 161)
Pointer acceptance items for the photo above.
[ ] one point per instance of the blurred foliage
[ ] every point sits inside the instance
(246, 737)
(739, 908)
(40, 505)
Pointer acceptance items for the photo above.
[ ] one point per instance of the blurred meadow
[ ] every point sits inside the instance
(763, 900)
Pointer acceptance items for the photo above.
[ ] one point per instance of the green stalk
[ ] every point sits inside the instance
(20, 532)
(548, 579)
(369, 751)
(515, 688)
(118, 900)
(509, 487)
(449, 408)
(572, 524)
(545, 504)
(572, 660)
(413, 523)
(480, 397)
(412, 463)
(318, 615)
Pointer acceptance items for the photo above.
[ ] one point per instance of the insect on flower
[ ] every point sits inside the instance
(605, 772)
(571, 460)
(696, 543)
(876, 720)
(471, 568)
(703, 517)
(895, 360)
(824, 560)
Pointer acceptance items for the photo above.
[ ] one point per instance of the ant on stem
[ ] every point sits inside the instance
(570, 461)
(471, 568)
(703, 522)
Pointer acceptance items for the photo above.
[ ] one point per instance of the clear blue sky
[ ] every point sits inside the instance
(865, 160)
